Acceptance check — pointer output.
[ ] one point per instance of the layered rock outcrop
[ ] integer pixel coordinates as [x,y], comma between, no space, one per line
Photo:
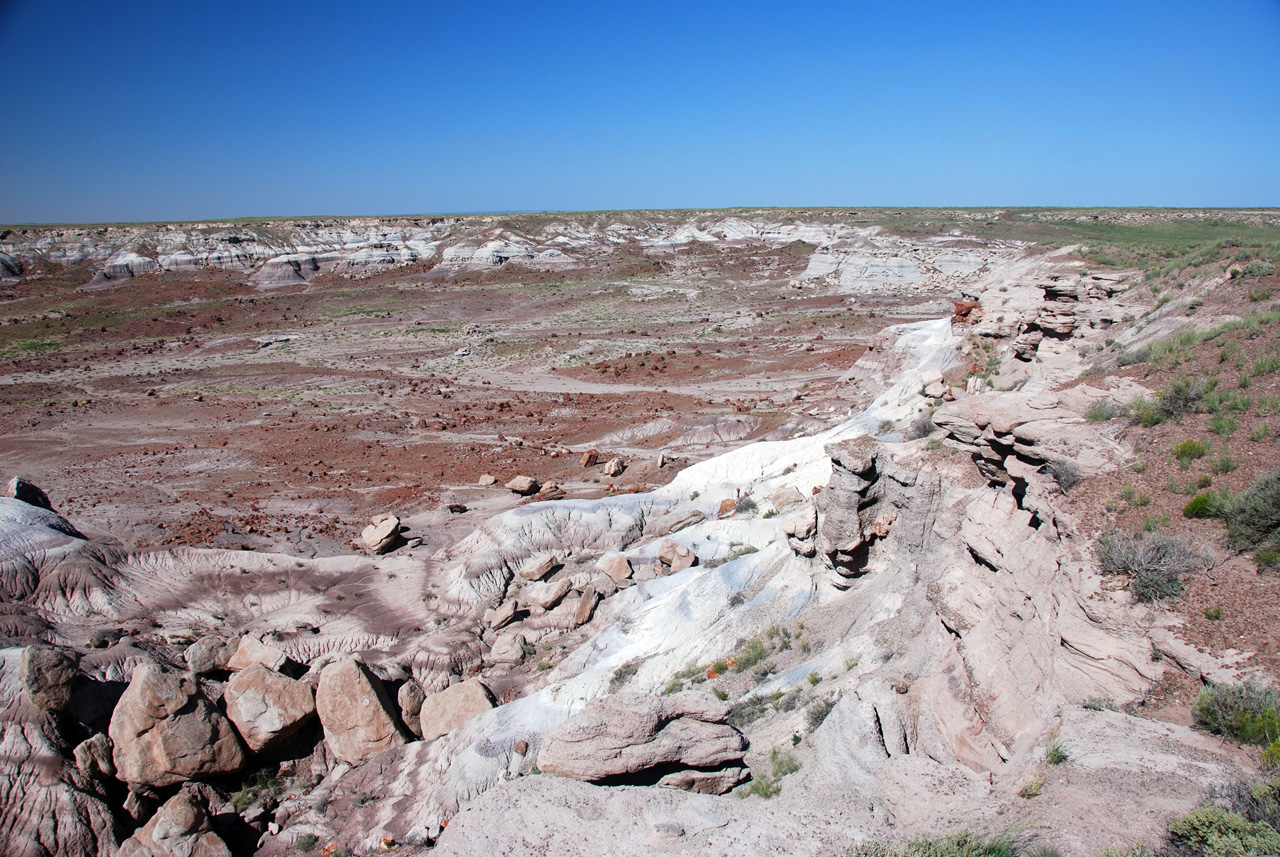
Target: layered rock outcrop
[679,741]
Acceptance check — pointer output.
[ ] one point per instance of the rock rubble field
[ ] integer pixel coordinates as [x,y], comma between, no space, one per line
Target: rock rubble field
[689,532]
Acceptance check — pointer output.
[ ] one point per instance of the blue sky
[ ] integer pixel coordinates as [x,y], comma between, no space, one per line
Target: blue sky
[155,111]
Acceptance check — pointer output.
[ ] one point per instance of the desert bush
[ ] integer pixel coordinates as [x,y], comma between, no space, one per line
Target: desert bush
[1032,788]
[1130,358]
[1253,516]
[964,844]
[1066,473]
[1215,832]
[1257,269]
[1155,562]
[1245,712]
[1140,849]
[1223,425]
[747,711]
[1255,801]
[306,843]
[1145,412]
[782,763]
[1102,410]
[817,712]
[1181,397]
[1099,703]
[921,426]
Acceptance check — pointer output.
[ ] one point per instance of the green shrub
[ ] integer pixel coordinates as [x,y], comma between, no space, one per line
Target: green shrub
[1188,451]
[1202,506]
[1257,269]
[1260,433]
[306,843]
[1215,832]
[1155,562]
[1138,850]
[1245,712]
[1213,614]
[1145,412]
[1130,358]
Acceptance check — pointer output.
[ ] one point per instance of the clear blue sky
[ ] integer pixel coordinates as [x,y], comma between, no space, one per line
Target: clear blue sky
[154,111]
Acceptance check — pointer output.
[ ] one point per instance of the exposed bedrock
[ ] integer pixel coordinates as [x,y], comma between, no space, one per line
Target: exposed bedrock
[679,741]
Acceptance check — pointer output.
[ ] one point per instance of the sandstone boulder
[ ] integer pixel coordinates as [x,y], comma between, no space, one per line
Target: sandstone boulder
[504,615]
[180,828]
[486,480]
[539,566]
[447,710]
[20,489]
[618,567]
[267,708]
[524,485]
[586,606]
[548,595]
[48,675]
[93,757]
[676,556]
[165,732]
[251,652]
[355,712]
[210,653]
[617,738]
[381,534]
[507,649]
[409,698]
[614,467]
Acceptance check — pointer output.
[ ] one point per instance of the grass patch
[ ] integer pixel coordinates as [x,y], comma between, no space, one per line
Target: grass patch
[1055,752]
[1188,451]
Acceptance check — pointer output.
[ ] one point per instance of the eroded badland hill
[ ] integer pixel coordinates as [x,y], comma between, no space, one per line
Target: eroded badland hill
[698,532]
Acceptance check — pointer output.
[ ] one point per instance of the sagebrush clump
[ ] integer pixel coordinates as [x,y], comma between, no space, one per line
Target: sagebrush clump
[1157,563]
